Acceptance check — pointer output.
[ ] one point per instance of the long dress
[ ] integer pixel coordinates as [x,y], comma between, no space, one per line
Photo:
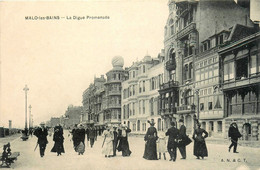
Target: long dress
[107,149]
[200,148]
[58,139]
[123,142]
[150,151]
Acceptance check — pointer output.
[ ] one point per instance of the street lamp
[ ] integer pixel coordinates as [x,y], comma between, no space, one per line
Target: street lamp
[30,119]
[198,103]
[25,90]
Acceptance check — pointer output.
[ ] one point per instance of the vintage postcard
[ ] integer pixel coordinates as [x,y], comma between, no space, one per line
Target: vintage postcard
[130,84]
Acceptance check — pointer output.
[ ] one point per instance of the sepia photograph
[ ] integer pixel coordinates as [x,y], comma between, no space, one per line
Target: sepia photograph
[130,84]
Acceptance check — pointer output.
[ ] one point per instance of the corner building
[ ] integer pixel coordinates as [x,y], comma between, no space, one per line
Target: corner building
[193,34]
[112,99]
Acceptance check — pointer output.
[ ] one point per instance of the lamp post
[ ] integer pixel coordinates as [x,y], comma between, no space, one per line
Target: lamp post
[25,90]
[198,103]
[30,119]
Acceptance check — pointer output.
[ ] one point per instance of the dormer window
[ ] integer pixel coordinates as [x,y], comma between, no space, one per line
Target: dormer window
[221,39]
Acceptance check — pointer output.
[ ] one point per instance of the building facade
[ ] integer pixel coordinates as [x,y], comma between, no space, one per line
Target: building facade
[113,86]
[240,80]
[140,96]
[92,103]
[193,33]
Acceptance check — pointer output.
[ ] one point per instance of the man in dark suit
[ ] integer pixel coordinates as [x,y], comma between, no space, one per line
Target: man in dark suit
[115,141]
[41,133]
[92,135]
[182,137]
[233,134]
[173,134]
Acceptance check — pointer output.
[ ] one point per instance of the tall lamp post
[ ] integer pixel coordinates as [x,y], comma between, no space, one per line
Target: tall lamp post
[198,104]
[25,90]
[30,119]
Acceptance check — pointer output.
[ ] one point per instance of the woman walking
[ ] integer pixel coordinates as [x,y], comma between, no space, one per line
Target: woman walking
[107,146]
[200,148]
[58,139]
[150,152]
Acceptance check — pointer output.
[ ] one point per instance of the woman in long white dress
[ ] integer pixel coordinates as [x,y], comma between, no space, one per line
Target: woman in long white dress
[107,145]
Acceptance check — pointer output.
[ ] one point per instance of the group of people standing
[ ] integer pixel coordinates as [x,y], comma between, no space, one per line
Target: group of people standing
[116,139]
[177,138]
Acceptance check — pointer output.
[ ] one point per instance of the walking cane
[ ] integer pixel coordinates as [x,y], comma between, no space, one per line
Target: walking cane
[36,146]
[104,141]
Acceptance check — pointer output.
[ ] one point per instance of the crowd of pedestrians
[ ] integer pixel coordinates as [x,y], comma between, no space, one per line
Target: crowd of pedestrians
[115,139]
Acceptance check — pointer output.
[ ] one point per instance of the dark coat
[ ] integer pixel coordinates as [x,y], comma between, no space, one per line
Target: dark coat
[41,134]
[150,137]
[58,139]
[234,133]
[123,143]
[200,148]
[173,134]
[92,133]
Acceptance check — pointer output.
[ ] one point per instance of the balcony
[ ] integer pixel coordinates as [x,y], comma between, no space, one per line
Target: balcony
[168,111]
[170,65]
[114,106]
[186,30]
[186,109]
[169,84]
[242,82]
[114,92]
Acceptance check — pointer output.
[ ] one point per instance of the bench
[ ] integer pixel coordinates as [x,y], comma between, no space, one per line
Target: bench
[7,156]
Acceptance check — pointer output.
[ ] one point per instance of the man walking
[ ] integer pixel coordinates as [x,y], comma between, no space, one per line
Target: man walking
[182,138]
[41,133]
[173,133]
[233,134]
[92,135]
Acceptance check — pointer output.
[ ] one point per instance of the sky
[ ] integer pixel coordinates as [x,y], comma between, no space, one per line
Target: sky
[58,59]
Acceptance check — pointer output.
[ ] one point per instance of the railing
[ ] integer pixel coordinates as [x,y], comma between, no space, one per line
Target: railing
[186,108]
[170,65]
[169,84]
[168,111]
[114,92]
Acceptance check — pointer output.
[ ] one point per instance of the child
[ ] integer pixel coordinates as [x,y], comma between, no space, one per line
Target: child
[161,144]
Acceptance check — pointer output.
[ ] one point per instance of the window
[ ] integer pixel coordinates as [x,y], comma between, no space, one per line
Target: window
[143,68]
[201,106]
[205,46]
[133,74]
[140,107]
[143,86]
[143,106]
[133,90]
[186,72]
[221,39]
[229,71]
[133,108]
[213,42]
[210,106]
[253,64]
[138,125]
[140,88]
[191,71]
